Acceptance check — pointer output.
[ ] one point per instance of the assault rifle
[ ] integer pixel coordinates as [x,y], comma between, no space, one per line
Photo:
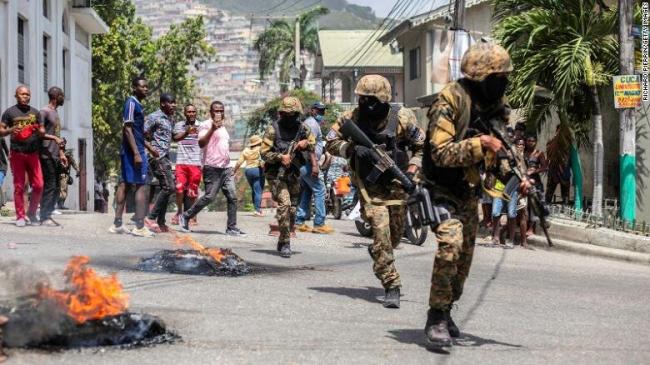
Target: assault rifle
[535,198]
[292,152]
[383,162]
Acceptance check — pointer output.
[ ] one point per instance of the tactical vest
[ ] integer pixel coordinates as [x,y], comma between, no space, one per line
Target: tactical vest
[453,179]
[395,148]
[284,137]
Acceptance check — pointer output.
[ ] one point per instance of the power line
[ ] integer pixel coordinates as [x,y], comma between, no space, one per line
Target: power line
[274,7]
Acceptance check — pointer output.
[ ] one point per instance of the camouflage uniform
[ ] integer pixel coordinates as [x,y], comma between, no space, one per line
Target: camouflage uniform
[285,191]
[64,176]
[453,154]
[383,205]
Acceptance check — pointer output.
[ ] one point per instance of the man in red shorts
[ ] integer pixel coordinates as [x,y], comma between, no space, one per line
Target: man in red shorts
[188,160]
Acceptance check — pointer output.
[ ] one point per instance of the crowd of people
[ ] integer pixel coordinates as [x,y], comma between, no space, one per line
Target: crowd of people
[203,154]
[501,195]
[39,161]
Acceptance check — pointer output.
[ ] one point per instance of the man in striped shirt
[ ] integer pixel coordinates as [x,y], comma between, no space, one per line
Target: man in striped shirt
[188,160]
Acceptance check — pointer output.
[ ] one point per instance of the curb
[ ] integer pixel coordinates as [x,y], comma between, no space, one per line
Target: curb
[590,250]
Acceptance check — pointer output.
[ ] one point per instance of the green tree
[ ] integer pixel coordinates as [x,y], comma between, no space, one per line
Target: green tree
[129,50]
[276,45]
[570,50]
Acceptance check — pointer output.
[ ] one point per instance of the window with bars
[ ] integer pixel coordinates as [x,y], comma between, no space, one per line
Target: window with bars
[21,50]
[46,62]
[46,8]
[64,22]
[66,72]
[414,63]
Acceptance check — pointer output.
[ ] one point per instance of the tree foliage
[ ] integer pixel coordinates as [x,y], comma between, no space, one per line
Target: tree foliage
[276,45]
[567,50]
[264,115]
[129,50]
[563,47]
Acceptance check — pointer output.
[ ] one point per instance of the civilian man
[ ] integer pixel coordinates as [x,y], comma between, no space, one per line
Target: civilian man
[52,156]
[188,160]
[25,126]
[313,183]
[133,161]
[217,173]
[158,128]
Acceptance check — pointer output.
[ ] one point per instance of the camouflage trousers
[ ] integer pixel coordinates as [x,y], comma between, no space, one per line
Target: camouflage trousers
[387,228]
[286,194]
[456,238]
[63,186]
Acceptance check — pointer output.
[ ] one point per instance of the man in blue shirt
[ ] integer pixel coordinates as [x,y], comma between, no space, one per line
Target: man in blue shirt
[133,161]
[158,129]
[313,183]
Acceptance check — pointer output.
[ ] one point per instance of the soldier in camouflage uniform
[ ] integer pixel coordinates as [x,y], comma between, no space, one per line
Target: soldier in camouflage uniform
[281,170]
[64,176]
[383,203]
[455,147]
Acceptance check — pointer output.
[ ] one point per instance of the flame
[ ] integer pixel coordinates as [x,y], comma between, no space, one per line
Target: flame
[90,296]
[217,254]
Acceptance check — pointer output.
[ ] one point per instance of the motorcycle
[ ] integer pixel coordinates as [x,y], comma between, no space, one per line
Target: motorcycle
[339,197]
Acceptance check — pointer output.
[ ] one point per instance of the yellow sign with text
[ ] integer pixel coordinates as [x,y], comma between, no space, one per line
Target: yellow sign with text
[627,91]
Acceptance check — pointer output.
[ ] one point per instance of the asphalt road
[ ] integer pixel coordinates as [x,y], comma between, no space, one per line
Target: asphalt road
[323,305]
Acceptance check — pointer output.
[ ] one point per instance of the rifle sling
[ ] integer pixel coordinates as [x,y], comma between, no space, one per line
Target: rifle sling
[374,201]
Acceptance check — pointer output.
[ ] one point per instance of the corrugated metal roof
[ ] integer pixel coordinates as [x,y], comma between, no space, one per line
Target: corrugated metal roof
[350,48]
[424,18]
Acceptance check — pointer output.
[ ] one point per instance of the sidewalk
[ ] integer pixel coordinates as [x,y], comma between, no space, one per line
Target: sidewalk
[580,238]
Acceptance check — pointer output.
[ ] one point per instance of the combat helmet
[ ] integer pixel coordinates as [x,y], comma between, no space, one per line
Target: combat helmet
[485,58]
[374,85]
[290,104]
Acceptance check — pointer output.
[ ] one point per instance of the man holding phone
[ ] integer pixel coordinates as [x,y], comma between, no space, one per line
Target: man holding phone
[188,160]
[214,141]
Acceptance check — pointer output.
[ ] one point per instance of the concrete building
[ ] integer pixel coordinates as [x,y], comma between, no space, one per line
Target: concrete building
[48,43]
[344,56]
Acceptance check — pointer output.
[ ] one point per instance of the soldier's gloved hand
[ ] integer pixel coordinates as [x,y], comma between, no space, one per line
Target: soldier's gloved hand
[365,154]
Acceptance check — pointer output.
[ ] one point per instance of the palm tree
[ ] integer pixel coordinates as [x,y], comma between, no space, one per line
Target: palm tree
[277,43]
[569,48]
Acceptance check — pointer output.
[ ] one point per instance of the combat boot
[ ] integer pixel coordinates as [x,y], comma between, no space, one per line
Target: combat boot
[285,250]
[437,329]
[451,325]
[391,299]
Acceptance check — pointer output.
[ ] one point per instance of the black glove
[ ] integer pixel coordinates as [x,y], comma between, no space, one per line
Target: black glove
[365,154]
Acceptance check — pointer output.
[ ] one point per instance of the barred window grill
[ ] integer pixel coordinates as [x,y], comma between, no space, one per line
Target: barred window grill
[46,73]
[21,51]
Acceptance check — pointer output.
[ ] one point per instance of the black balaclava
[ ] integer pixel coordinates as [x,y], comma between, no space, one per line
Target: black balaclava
[490,90]
[372,109]
[289,119]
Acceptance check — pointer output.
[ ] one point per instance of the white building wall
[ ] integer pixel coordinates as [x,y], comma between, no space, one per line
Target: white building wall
[76,114]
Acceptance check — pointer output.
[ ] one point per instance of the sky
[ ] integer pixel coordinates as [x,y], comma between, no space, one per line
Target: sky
[383,7]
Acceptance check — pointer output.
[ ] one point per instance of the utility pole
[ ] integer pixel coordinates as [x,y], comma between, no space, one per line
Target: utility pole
[627,118]
[459,14]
